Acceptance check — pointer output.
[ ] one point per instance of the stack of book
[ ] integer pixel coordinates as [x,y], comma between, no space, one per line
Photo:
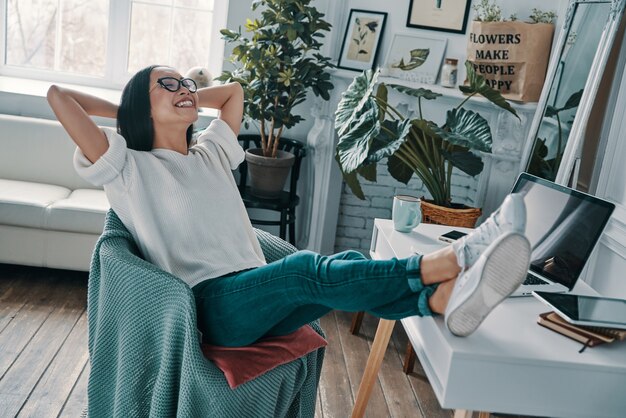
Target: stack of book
[588,336]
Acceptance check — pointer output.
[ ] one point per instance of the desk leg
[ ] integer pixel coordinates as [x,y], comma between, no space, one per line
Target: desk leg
[375,359]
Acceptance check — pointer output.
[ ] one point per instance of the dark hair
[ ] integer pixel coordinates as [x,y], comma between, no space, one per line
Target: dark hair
[134,121]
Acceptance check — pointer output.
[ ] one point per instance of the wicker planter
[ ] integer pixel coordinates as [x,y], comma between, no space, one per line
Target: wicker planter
[458,215]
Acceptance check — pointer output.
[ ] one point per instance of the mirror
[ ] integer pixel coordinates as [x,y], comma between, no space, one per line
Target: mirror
[555,140]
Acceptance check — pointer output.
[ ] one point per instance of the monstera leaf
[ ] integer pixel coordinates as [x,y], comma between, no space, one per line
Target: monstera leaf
[477,84]
[354,100]
[467,129]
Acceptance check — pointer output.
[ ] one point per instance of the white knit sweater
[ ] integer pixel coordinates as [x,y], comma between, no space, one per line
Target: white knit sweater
[184,211]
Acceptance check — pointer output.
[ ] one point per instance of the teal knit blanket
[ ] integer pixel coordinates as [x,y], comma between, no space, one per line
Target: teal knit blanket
[144,346]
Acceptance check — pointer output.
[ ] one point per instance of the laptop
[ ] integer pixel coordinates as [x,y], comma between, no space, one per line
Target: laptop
[563,226]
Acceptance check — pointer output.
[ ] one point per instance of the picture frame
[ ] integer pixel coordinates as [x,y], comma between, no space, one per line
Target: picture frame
[415,58]
[439,15]
[361,41]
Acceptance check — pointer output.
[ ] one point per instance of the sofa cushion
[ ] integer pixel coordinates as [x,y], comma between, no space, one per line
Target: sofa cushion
[82,211]
[24,203]
[39,151]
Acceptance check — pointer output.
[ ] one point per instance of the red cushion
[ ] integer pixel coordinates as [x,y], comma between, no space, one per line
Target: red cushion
[241,364]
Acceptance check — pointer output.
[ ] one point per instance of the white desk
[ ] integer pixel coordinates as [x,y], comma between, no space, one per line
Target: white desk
[510,364]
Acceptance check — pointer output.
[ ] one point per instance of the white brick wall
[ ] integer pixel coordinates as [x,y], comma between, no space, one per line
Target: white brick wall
[356,216]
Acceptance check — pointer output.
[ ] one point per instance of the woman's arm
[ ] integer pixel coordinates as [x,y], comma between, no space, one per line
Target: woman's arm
[228,99]
[72,109]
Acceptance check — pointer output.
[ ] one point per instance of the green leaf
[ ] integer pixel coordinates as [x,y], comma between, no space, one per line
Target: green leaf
[353,146]
[292,34]
[398,169]
[477,84]
[391,137]
[381,95]
[353,101]
[352,181]
[465,161]
[368,172]
[467,129]
[551,111]
[419,92]
[573,101]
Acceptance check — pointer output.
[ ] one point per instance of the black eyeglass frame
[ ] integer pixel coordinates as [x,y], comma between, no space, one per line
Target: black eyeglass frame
[192,87]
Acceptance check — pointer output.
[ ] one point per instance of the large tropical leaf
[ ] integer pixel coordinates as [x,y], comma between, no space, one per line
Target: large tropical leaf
[391,136]
[467,129]
[368,172]
[477,84]
[353,101]
[465,161]
[352,181]
[419,93]
[398,169]
[353,146]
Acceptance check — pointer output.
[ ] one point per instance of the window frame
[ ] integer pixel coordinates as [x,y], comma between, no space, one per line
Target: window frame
[116,62]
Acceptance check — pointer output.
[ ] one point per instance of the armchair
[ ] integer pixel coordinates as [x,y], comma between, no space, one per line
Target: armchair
[145,352]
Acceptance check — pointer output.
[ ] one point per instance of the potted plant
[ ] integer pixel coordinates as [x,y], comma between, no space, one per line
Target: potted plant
[277,65]
[370,130]
[511,54]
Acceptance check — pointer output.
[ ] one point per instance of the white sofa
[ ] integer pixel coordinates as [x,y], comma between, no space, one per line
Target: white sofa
[49,216]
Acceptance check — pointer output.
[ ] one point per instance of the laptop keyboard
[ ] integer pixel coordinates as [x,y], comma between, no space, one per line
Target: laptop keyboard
[533,280]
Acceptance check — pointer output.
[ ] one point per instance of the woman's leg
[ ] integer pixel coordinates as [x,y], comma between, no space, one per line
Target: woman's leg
[280,297]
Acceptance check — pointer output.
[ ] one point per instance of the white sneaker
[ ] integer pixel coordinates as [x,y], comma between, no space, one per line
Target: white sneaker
[509,217]
[498,272]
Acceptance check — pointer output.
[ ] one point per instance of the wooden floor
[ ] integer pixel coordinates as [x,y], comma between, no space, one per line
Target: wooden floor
[44,361]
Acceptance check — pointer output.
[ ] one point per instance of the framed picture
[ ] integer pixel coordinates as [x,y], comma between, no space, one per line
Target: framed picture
[361,40]
[441,15]
[415,58]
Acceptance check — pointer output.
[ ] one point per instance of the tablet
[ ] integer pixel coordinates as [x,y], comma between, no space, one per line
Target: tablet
[595,311]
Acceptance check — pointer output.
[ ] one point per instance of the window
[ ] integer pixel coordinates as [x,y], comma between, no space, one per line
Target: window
[103,42]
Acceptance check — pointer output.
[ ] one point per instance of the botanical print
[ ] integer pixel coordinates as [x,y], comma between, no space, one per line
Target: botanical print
[415,58]
[363,39]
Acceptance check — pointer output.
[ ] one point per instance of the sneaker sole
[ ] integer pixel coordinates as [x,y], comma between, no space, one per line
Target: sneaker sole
[505,269]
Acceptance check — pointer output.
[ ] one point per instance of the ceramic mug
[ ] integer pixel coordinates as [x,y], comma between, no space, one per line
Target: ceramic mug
[406,213]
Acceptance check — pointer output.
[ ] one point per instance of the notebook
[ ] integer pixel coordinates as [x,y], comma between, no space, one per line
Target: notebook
[589,336]
[563,226]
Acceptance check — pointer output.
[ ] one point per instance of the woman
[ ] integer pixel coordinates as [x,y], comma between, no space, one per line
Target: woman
[183,209]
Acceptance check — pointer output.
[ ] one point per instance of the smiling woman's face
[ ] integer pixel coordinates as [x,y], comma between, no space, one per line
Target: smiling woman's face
[171,107]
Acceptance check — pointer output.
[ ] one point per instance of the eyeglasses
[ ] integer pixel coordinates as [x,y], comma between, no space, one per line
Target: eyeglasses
[173,84]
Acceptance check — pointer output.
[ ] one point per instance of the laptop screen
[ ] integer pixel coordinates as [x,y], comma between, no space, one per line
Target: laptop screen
[562,225]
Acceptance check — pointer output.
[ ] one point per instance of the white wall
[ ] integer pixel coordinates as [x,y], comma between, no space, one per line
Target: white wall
[337,12]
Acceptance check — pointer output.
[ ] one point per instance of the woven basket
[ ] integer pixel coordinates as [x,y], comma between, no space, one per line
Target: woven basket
[459,216]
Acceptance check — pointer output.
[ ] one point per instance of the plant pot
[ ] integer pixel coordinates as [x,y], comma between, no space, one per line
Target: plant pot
[268,175]
[458,215]
[512,56]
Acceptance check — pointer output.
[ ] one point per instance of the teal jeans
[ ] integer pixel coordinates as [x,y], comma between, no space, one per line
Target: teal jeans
[278,298]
